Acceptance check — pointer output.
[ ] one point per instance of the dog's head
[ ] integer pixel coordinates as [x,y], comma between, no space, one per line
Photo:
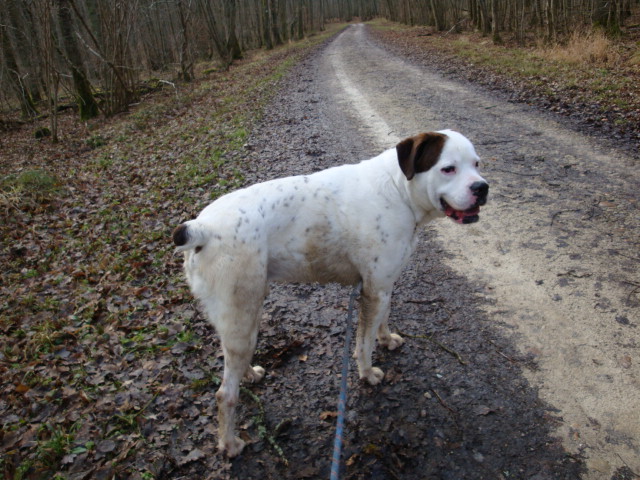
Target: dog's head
[442,170]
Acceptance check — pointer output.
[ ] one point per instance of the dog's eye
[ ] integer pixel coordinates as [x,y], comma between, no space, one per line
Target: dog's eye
[449,169]
[477,164]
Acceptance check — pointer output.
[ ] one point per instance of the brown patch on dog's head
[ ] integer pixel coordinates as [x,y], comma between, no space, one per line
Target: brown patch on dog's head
[420,153]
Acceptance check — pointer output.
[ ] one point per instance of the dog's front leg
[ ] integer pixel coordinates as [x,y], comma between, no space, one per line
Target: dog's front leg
[374,312]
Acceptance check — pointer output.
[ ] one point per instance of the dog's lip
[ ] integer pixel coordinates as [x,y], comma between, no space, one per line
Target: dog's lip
[470,215]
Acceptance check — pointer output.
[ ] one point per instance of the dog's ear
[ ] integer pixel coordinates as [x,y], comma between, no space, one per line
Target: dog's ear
[420,153]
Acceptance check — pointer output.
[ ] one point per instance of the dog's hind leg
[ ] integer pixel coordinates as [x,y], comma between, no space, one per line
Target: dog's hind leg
[236,364]
[238,336]
[234,308]
[374,311]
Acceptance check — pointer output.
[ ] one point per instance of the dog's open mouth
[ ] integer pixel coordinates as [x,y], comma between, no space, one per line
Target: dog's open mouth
[470,215]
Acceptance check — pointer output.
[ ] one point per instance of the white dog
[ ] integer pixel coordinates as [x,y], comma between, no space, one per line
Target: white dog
[345,224]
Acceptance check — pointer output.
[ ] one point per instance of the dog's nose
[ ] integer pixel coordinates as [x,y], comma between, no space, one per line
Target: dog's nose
[480,190]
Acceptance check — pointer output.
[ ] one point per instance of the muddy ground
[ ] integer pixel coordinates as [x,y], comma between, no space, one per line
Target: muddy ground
[521,353]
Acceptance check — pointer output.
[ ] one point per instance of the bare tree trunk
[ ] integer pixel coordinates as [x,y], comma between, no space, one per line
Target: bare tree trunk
[232,38]
[266,24]
[495,22]
[551,20]
[300,20]
[484,17]
[52,76]
[86,102]
[275,32]
[15,76]
[434,12]
[186,63]
[24,36]
[520,28]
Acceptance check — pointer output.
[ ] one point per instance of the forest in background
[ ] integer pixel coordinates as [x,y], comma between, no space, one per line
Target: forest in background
[105,54]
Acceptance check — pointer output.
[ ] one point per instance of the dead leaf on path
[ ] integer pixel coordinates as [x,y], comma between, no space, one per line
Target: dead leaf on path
[372,449]
[22,388]
[195,454]
[625,362]
[106,446]
[484,410]
[308,471]
[327,414]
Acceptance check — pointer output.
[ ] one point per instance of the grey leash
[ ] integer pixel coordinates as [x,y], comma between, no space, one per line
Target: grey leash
[342,399]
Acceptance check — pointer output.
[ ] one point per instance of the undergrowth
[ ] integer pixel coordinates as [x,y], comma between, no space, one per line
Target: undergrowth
[587,48]
[26,189]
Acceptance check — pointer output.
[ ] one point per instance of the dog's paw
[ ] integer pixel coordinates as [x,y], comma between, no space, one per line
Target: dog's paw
[254,374]
[231,448]
[393,341]
[373,375]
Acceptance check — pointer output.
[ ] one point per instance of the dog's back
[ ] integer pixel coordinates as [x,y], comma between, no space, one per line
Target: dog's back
[306,228]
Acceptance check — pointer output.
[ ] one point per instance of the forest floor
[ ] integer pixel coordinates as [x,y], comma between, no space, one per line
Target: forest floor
[108,368]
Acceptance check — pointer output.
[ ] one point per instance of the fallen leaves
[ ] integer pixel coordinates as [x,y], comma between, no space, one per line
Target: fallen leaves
[106,446]
[192,456]
[21,388]
[625,361]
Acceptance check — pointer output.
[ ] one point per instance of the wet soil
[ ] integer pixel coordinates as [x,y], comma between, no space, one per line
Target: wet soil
[515,327]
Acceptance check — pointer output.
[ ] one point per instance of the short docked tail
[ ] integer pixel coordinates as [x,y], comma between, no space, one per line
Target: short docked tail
[192,234]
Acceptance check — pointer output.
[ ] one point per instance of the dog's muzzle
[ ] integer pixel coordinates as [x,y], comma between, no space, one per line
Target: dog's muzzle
[480,190]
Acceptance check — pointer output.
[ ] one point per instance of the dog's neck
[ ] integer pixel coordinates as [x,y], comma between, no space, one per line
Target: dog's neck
[421,214]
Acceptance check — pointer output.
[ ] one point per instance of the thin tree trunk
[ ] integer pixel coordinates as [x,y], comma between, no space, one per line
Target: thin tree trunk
[86,102]
[52,76]
[15,75]
[267,37]
[434,12]
[232,38]
[186,64]
[495,22]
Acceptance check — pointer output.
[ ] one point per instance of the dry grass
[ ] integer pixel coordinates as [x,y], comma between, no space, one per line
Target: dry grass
[10,199]
[590,47]
[27,189]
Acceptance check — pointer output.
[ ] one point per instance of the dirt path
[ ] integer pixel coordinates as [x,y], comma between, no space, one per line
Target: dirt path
[556,251]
